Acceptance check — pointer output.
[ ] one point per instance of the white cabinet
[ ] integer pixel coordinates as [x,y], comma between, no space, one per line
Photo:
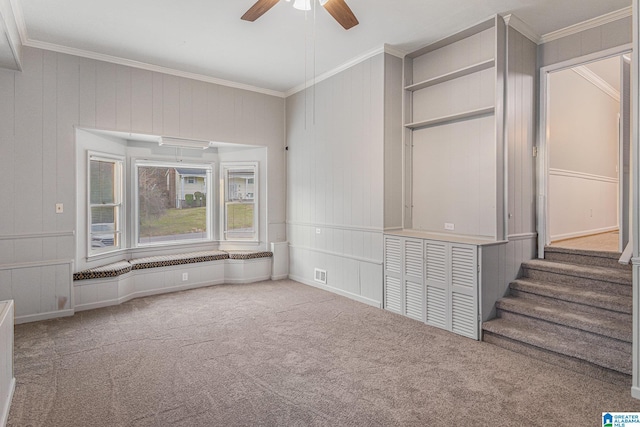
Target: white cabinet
[403,276]
[436,282]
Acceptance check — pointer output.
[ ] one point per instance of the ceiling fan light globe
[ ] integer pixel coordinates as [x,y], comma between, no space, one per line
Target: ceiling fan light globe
[302,4]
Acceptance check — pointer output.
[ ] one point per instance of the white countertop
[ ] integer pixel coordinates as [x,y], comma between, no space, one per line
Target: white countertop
[442,237]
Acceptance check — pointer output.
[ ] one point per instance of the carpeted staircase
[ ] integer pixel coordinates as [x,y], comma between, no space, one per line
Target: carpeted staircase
[571,309]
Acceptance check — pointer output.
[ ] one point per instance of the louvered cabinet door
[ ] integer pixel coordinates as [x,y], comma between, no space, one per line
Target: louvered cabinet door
[464,290]
[413,278]
[393,262]
[436,283]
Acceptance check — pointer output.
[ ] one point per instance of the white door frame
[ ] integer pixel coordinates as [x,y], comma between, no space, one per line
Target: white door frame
[542,209]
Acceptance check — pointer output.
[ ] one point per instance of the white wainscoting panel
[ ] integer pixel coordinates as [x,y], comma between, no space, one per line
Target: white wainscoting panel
[40,290]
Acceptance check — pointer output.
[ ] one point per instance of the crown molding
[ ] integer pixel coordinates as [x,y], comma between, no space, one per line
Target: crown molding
[597,81]
[522,27]
[149,67]
[9,28]
[19,18]
[399,53]
[358,59]
[587,25]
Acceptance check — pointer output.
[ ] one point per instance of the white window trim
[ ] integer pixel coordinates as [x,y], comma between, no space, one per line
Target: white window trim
[210,208]
[224,167]
[120,162]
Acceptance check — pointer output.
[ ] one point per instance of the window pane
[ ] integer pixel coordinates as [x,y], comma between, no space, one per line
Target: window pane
[239,219]
[104,227]
[240,202]
[104,205]
[172,204]
[240,185]
[102,180]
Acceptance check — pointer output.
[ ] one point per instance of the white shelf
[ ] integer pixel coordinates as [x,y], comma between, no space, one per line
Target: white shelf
[452,75]
[478,28]
[451,118]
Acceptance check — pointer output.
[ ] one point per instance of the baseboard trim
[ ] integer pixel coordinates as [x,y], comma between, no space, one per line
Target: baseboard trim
[147,293]
[280,277]
[4,415]
[245,280]
[522,236]
[340,292]
[44,316]
[584,233]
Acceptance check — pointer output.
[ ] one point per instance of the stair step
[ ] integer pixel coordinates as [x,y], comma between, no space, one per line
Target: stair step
[586,347]
[585,257]
[604,279]
[566,362]
[571,294]
[596,323]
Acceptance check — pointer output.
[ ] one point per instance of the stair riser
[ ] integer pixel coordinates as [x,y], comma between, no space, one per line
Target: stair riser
[570,363]
[594,284]
[592,261]
[569,333]
[615,312]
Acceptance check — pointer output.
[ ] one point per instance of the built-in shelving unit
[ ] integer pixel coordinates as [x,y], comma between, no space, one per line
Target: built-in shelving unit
[454,115]
[453,258]
[452,75]
[480,112]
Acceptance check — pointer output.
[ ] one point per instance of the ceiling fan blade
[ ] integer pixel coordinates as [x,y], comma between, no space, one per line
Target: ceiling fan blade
[258,9]
[341,13]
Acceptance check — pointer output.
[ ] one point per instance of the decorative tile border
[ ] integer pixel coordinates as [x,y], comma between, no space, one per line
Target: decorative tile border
[249,255]
[109,270]
[121,267]
[169,260]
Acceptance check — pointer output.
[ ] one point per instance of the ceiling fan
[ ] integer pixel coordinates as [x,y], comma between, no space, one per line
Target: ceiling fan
[336,8]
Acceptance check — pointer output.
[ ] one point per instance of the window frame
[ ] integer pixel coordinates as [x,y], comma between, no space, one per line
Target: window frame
[119,193]
[225,167]
[210,206]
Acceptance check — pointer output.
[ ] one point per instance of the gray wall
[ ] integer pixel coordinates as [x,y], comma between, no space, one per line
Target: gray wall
[38,112]
[336,176]
[393,207]
[520,177]
[613,34]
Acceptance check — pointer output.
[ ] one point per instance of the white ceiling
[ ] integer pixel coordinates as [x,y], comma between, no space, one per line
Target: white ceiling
[207,37]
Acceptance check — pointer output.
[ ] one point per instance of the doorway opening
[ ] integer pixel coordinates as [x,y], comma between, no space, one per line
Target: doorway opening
[585,146]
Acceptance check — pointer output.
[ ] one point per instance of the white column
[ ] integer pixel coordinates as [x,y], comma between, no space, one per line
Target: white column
[635,164]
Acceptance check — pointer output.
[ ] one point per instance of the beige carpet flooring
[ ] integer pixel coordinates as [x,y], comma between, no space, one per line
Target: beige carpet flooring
[596,242]
[283,354]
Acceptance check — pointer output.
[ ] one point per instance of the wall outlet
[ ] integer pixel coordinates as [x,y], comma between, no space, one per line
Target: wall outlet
[318,231]
[449,226]
[59,208]
[185,277]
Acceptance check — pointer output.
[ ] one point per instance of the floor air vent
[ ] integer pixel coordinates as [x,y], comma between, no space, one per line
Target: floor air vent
[320,276]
